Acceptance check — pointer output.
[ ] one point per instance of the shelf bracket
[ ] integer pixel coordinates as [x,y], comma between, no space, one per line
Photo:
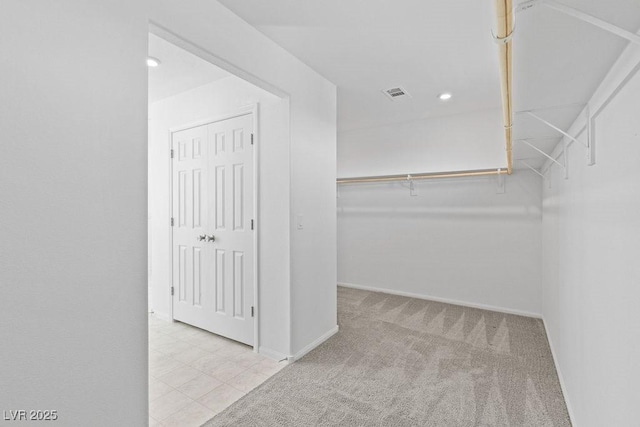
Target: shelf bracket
[502,188]
[412,188]
[541,152]
[533,169]
[554,127]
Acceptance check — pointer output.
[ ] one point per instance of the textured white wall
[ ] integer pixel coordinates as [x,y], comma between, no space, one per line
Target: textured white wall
[591,247]
[241,48]
[210,101]
[73,326]
[457,240]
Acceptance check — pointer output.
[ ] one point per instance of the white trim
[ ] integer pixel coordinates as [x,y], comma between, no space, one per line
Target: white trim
[256,214]
[445,300]
[252,110]
[166,34]
[559,373]
[242,111]
[290,222]
[169,226]
[162,316]
[272,354]
[331,332]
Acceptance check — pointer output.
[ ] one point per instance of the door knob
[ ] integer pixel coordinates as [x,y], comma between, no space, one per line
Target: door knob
[211,238]
[201,238]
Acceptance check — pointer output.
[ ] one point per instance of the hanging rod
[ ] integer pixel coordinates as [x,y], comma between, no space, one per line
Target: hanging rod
[410,177]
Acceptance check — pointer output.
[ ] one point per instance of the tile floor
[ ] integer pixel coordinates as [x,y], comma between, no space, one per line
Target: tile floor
[194,374]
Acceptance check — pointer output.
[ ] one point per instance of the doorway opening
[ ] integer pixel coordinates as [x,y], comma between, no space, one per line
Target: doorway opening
[205,127]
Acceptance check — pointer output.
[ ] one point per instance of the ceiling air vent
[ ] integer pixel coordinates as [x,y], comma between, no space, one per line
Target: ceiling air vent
[395,93]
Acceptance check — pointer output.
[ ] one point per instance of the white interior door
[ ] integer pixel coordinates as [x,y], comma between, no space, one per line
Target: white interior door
[212,185]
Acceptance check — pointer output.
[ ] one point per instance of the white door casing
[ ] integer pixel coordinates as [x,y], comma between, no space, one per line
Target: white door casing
[213,236]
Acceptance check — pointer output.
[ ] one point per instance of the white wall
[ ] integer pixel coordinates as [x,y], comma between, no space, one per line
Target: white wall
[460,142]
[449,242]
[73,168]
[591,248]
[234,45]
[73,179]
[457,240]
[210,101]
[313,190]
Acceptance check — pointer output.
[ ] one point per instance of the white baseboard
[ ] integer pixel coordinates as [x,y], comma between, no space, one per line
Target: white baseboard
[162,316]
[315,344]
[445,300]
[272,354]
[559,372]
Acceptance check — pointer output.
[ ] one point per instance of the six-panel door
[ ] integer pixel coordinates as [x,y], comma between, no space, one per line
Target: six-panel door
[213,199]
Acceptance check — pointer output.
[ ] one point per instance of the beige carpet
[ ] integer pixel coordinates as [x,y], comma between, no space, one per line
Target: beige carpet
[407,362]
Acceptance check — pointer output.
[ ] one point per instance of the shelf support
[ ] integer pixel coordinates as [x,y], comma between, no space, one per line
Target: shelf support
[541,152]
[501,183]
[532,168]
[578,14]
[554,127]
[412,188]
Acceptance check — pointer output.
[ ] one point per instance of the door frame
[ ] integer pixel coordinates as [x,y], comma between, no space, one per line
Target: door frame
[253,110]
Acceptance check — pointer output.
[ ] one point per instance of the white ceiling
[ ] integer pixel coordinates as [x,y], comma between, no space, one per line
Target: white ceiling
[432,46]
[364,46]
[179,70]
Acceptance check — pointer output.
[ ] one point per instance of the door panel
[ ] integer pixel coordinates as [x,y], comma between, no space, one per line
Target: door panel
[213,196]
[190,215]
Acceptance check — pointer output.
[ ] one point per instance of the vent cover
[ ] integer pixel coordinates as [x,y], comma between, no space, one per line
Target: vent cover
[395,93]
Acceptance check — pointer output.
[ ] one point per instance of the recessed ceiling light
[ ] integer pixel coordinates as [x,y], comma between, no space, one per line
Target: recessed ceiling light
[444,96]
[152,62]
